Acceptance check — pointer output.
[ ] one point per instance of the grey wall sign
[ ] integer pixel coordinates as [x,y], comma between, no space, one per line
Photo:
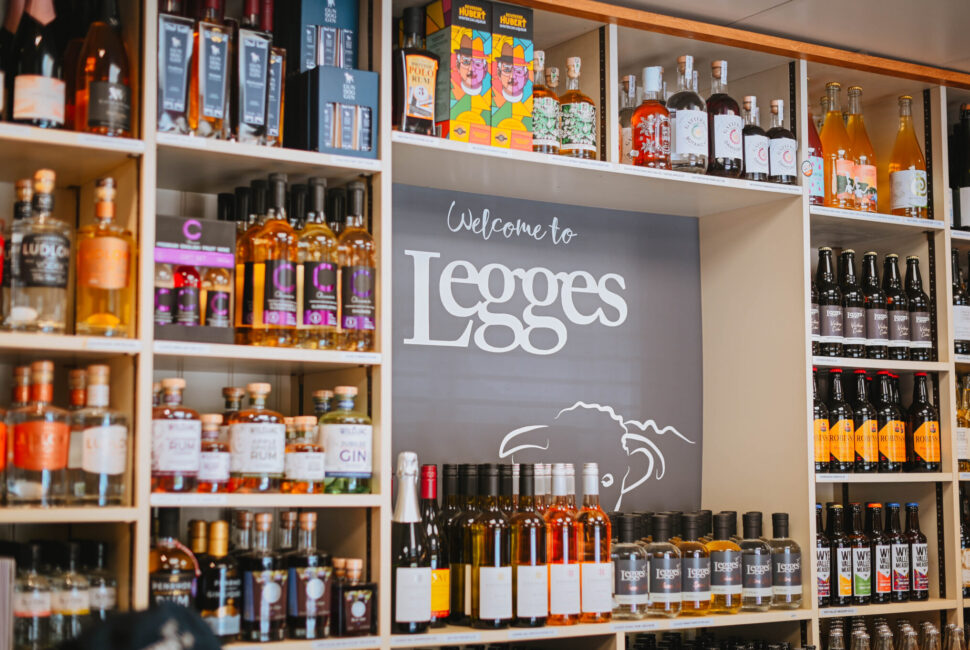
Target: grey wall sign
[534,332]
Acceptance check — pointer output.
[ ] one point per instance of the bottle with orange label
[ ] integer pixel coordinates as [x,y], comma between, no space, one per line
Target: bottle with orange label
[866,427]
[41,438]
[923,432]
[841,426]
[892,431]
[105,270]
[820,427]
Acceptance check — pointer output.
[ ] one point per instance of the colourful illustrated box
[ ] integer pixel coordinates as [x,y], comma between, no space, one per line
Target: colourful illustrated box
[512,77]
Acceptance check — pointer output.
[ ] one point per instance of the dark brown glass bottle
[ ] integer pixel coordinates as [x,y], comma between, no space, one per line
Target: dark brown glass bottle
[900,561]
[881,555]
[450,505]
[877,318]
[437,546]
[841,594]
[354,603]
[892,429]
[415,71]
[782,147]
[919,580]
[866,427]
[861,558]
[823,560]
[841,427]
[310,583]
[219,594]
[820,426]
[898,308]
[923,430]
[264,587]
[920,325]
[853,307]
[961,307]
[815,319]
[829,305]
[725,126]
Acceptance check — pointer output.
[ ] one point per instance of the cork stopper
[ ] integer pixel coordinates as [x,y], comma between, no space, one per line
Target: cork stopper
[264,522]
[157,387]
[21,375]
[573,65]
[104,198]
[98,374]
[173,384]
[233,393]
[42,372]
[685,64]
[308,521]
[288,518]
[750,103]
[322,394]
[719,69]
[305,421]
[244,518]
[260,389]
[777,106]
[24,190]
[44,181]
[211,421]
[355,568]
[346,391]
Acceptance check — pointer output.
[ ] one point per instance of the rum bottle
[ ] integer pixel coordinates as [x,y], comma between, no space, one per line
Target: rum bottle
[578,126]
[628,99]
[545,108]
[756,591]
[310,581]
[651,123]
[564,544]
[219,591]
[176,441]
[411,588]
[357,256]
[175,48]
[209,80]
[354,603]
[415,74]
[347,436]
[866,427]
[838,164]
[665,576]
[726,154]
[316,281]
[214,459]
[103,90]
[725,557]
[437,546]
[897,304]
[756,147]
[923,430]
[274,256]
[460,544]
[631,570]
[786,565]
[530,575]
[596,572]
[105,442]
[264,587]
[877,315]
[853,308]
[783,148]
[695,569]
[304,462]
[688,122]
[250,76]
[172,568]
[920,324]
[862,154]
[257,440]
[881,555]
[491,561]
[907,167]
[919,582]
[823,560]
[36,68]
[831,322]
[820,428]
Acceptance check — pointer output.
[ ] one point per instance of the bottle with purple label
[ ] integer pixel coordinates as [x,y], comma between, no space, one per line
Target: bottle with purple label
[164,294]
[187,283]
[274,255]
[357,255]
[316,285]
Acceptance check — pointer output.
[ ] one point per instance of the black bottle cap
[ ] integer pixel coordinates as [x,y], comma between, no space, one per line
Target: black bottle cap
[505,479]
[751,522]
[317,190]
[627,528]
[414,21]
[337,204]
[614,518]
[660,526]
[646,524]
[243,200]
[488,480]
[707,522]
[468,480]
[449,469]
[527,480]
[298,202]
[676,522]
[692,524]
[168,522]
[725,525]
[779,525]
[355,197]
[277,190]
[226,207]
[258,189]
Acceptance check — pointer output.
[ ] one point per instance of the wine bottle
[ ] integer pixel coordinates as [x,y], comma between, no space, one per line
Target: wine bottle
[437,547]
[411,595]
[38,86]
[103,92]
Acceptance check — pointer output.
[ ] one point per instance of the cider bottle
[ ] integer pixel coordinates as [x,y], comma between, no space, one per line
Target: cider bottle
[863,157]
[837,162]
[907,167]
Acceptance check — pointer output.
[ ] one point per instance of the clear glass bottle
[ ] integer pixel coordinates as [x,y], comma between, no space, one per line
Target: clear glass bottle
[304,462]
[596,572]
[651,123]
[102,583]
[316,282]
[24,192]
[756,566]
[257,443]
[215,457]
[907,167]
[77,395]
[545,107]
[864,181]
[410,564]
[786,565]
[241,540]
[219,593]
[783,148]
[105,438]
[564,544]
[688,122]
[578,122]
[726,154]
[628,102]
[176,441]
[310,580]
[631,571]
[274,255]
[665,580]
[322,402]
[70,598]
[756,148]
[530,575]
[725,557]
[357,256]
[164,313]
[347,437]
[209,80]
[31,601]
[264,587]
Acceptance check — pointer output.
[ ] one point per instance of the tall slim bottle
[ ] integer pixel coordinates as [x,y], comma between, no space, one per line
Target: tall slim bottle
[564,543]
[881,555]
[907,167]
[838,165]
[437,547]
[460,542]
[578,123]
[175,45]
[877,315]
[530,575]
[688,122]
[919,581]
[831,319]
[411,595]
[841,427]
[695,568]
[31,600]
[823,561]
[755,142]
[209,79]
[864,181]
[841,594]
[900,560]
[316,282]
[628,99]
[250,66]
[920,324]
[861,558]
[545,109]
[276,81]
[783,148]
[274,255]
[491,566]
[923,430]
[103,90]
[357,256]
[726,578]
[756,589]
[37,70]
[897,304]
[866,427]
[726,153]
[310,581]
[853,307]
[665,580]
[596,572]
[820,427]
[813,167]
[449,498]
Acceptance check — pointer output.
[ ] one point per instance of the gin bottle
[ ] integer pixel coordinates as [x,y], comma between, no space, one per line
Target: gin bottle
[31,601]
[688,122]
[628,101]
[545,107]
[348,438]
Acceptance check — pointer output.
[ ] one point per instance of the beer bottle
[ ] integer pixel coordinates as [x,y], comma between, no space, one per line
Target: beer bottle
[923,432]
[866,427]
[820,427]
[829,306]
[823,560]
[898,308]
[815,317]
[892,431]
[919,581]
[899,561]
[861,558]
[961,308]
[877,318]
[841,592]
[881,555]
[841,427]
[920,327]
[853,307]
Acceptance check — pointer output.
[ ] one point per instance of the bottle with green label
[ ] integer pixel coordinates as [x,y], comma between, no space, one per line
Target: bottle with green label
[578,130]
[861,558]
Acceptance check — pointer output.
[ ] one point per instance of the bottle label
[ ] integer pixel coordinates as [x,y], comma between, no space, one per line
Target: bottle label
[864,184]
[963,448]
[495,593]
[217,308]
[105,449]
[75,449]
[877,326]
[822,437]
[844,189]
[921,567]
[854,325]
[861,571]
[843,566]
[831,324]
[103,598]
[965,565]
[248,293]
[309,591]
[31,604]
[174,55]
[441,592]
[920,331]
[176,446]
[631,577]
[908,189]
[900,567]
[412,589]
[564,589]
[756,576]
[926,442]
[689,130]
[783,156]
[36,97]
[305,466]
[419,86]
[45,260]
[867,441]
[813,173]
[725,572]
[882,563]
[257,448]
[756,154]
[357,297]
[899,328]
[545,122]
[109,105]
[164,305]
[70,602]
[187,306]
[4,446]
[102,263]
[816,322]
[40,445]
[253,63]
[279,297]
[348,450]
[727,136]
[532,591]
[597,587]
[626,145]
[961,323]
[274,100]
[786,573]
[224,624]
[213,62]
[264,595]
[579,126]
[176,587]
[842,441]
[651,137]
[892,441]
[823,571]
[214,467]
[319,294]
[358,610]
[665,580]
[695,576]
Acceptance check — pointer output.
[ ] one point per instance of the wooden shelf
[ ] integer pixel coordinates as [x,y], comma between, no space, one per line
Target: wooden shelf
[933,604]
[28,346]
[881,232]
[93,514]
[266,500]
[820,214]
[341,643]
[905,477]
[175,355]
[961,235]
[881,364]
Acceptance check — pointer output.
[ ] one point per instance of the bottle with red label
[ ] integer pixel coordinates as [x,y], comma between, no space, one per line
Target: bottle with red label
[882,573]
[41,441]
[923,430]
[900,559]
[176,441]
[357,255]
[264,587]
[919,574]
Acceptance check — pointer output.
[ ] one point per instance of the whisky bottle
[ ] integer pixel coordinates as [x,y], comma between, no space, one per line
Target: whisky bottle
[820,427]
[274,256]
[782,148]
[24,191]
[564,544]
[530,575]
[688,122]
[853,307]
[103,90]
[250,75]
[631,566]
[219,592]
[39,289]
[437,545]
[76,395]
[756,148]
[919,575]
[881,555]
[578,126]
[823,561]
[726,153]
[347,437]
[105,271]
[907,167]
[841,572]
[357,256]
[209,80]
[545,109]
[923,430]
[864,177]
[70,598]
[264,587]
[900,560]
[415,72]
[892,430]
[276,82]
[176,441]
[257,441]
[304,462]
[175,47]
[37,71]
[105,440]
[897,304]
[786,565]
[310,581]
[665,574]
[695,568]
[755,565]
[172,567]
[214,459]
[866,427]
[354,603]
[411,595]
[596,572]
[830,306]
[877,316]
[491,561]
[725,556]
[920,325]
[37,472]
[316,279]
[460,545]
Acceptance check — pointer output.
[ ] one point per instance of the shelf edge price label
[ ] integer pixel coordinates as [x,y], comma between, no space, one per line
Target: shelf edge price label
[697,622]
[838,611]
[639,626]
[181,347]
[358,642]
[534,633]
[105,344]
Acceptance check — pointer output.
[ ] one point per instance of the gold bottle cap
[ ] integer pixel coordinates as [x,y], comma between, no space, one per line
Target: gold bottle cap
[355,565]
[24,190]
[868,253]
[76,379]
[211,420]
[685,62]
[173,384]
[855,90]
[322,394]
[833,84]
[892,256]
[233,392]
[98,374]
[218,538]
[264,521]
[44,180]
[824,248]
[348,391]
[340,563]
[258,388]
[847,250]
[912,257]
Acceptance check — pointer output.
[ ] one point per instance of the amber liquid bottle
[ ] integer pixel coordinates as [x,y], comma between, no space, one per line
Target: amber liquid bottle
[907,167]
[460,545]
[564,541]
[866,427]
[695,569]
[596,570]
[257,438]
[214,462]
[209,81]
[103,92]
[725,568]
[491,566]
[578,125]
[892,431]
[176,441]
[530,575]
[838,165]
[264,587]
[415,71]
[923,430]
[274,255]
[820,427]
[545,109]
[725,125]
[357,256]
[864,181]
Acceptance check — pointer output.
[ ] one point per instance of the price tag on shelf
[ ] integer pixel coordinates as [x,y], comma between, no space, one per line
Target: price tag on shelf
[489,150]
[350,642]
[533,633]
[638,626]
[362,357]
[181,347]
[831,478]
[687,622]
[838,611]
[180,140]
[189,500]
[107,344]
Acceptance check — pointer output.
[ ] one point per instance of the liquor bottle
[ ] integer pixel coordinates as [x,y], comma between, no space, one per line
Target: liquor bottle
[357,256]
[39,283]
[215,297]
[665,580]
[961,307]
[415,71]
[756,591]
[104,439]
[287,531]
[76,380]
[920,326]
[103,586]
[449,497]
[304,462]
[232,400]
[853,307]
[164,295]
[219,591]
[411,566]
[70,597]
[631,566]
[172,569]
[820,427]
[316,280]
[831,322]
[919,582]
[214,459]
[24,191]
[841,426]
[900,559]
[188,283]
[175,46]
[322,402]
[264,587]
[105,273]
[755,139]
[543,487]
[209,77]
[688,122]
[8,34]
[103,90]
[176,441]
[257,440]
[437,547]
[38,446]
[628,100]
[786,565]
[813,167]
[861,557]
[276,82]
[505,490]
[726,157]
[460,545]
[866,427]
[783,148]
[348,436]
[897,305]
[882,574]
[651,123]
[564,543]
[841,554]
[838,165]
[530,576]
[725,558]
[963,425]
[823,561]
[545,108]
[862,154]
[965,546]
[310,581]
[31,600]
[491,562]
[274,257]
[923,430]
[241,541]
[596,574]
[578,122]
[695,569]
[354,603]
[815,316]
[907,167]
[37,71]
[250,75]
[877,316]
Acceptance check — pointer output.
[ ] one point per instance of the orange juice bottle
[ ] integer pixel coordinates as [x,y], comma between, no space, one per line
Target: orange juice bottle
[839,168]
[863,157]
[907,167]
